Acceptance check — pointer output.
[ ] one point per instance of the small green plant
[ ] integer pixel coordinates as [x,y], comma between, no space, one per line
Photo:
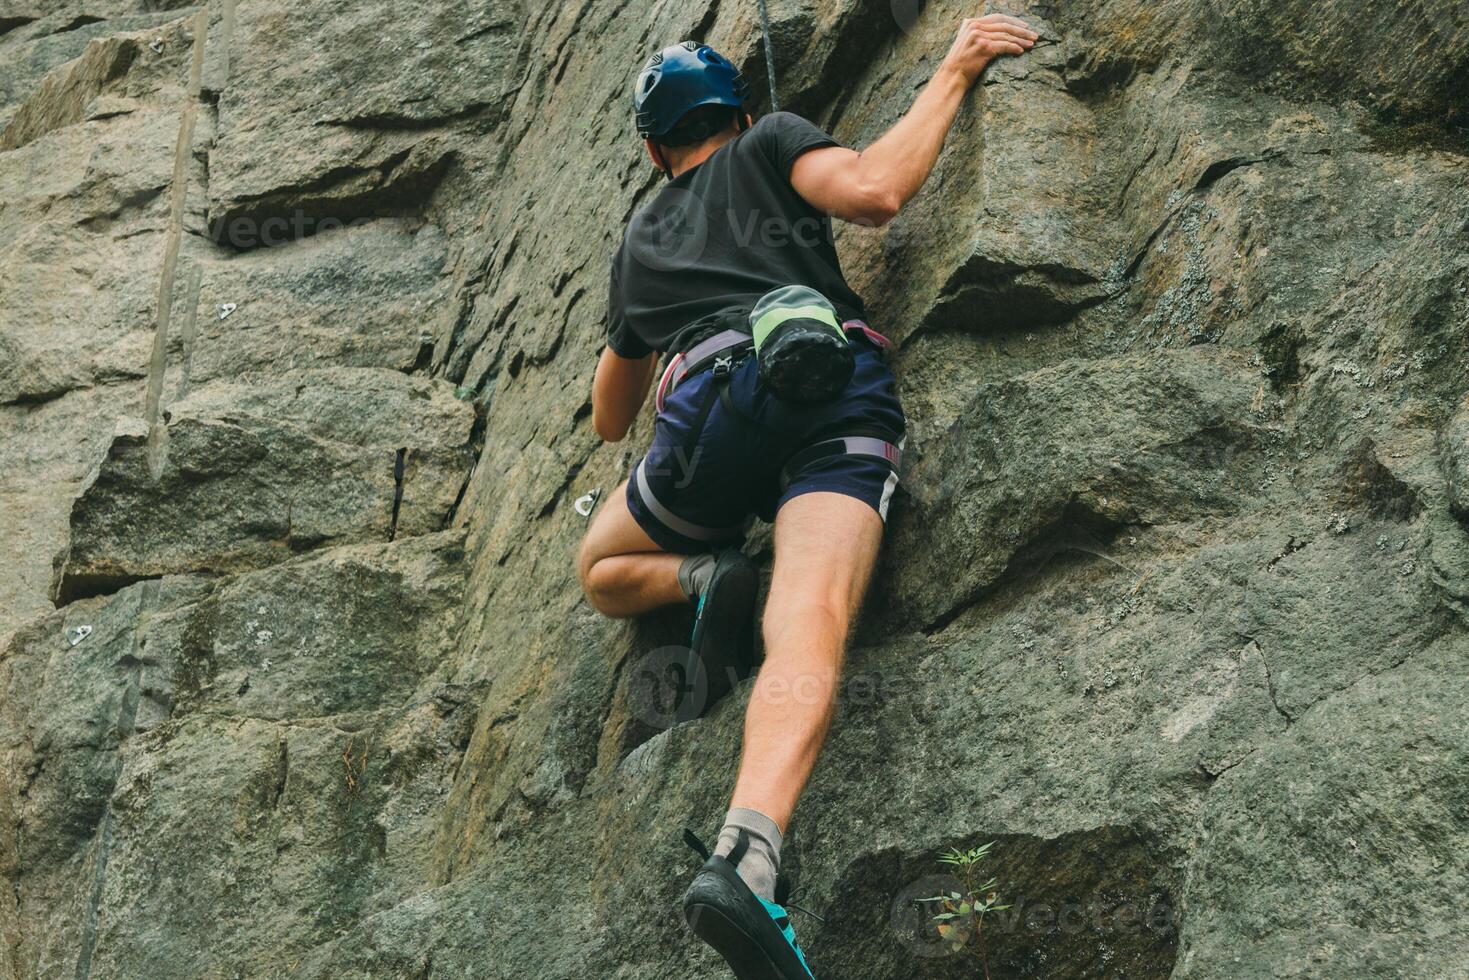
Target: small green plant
[959,915]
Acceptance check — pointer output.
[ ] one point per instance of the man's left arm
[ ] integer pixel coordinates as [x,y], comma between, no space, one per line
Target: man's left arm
[618,392]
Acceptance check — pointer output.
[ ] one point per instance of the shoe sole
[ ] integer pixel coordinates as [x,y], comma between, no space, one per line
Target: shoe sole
[730,927]
[744,956]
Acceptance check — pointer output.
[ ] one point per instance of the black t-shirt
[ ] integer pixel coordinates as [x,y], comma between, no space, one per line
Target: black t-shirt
[723,234]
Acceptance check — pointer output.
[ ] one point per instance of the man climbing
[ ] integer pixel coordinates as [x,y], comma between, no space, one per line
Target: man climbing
[777,401]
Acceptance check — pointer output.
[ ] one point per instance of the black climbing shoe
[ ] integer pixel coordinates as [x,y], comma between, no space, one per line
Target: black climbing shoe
[754,936]
[722,650]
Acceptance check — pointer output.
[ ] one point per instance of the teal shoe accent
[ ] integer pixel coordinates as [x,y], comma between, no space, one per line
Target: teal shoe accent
[721,647]
[783,923]
[698,615]
[753,936]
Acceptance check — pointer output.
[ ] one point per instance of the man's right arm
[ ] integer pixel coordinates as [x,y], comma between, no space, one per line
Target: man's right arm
[619,389]
[869,187]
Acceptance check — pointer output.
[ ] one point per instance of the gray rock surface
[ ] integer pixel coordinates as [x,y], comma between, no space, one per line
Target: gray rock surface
[299,305]
[246,474]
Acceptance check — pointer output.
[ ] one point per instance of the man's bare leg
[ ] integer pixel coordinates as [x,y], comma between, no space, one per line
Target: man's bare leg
[622,570]
[825,548]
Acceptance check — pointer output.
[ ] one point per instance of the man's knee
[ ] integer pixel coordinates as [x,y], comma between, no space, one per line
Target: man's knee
[598,586]
[586,557]
[593,582]
[601,581]
[817,611]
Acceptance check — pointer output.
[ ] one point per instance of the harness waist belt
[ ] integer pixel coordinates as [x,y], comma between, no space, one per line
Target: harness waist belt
[731,343]
[697,357]
[710,348]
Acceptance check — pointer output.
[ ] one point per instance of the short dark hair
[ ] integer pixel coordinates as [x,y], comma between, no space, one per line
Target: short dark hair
[698,124]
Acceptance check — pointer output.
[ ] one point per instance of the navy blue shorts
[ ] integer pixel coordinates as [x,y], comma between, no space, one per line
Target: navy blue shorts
[699,483]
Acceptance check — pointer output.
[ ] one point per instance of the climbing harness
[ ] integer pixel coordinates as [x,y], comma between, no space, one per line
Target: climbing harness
[804,352]
[872,444]
[769,55]
[727,346]
[724,350]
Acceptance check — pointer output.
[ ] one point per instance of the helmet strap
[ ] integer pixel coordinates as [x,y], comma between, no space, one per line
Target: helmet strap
[662,160]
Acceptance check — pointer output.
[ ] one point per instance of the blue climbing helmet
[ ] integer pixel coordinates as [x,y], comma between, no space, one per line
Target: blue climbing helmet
[682,77]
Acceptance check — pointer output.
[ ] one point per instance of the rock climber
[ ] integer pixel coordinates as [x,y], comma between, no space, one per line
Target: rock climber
[777,401]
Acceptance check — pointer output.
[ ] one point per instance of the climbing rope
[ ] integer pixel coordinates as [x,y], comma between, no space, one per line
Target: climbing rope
[769,55]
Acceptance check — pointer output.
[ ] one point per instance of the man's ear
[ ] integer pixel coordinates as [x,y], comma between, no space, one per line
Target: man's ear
[749,120]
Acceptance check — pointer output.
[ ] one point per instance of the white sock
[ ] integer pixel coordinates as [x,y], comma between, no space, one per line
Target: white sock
[694,574]
[760,863]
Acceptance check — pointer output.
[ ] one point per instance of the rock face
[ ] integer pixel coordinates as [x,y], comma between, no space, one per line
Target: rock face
[299,305]
[245,475]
